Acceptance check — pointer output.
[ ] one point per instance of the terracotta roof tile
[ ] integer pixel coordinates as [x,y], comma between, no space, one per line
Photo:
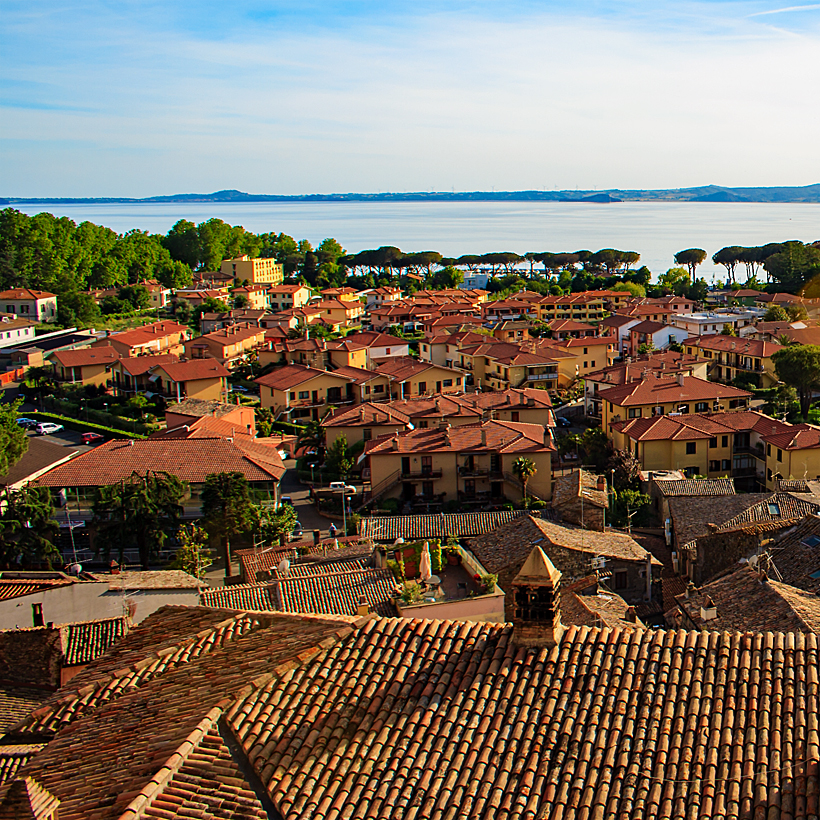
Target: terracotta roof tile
[85,356]
[194,369]
[695,486]
[414,527]
[14,757]
[86,641]
[652,391]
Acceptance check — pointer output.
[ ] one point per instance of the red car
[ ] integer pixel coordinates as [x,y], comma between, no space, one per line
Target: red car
[92,438]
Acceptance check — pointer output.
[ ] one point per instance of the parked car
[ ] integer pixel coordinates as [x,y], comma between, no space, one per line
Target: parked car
[27,423]
[46,428]
[563,421]
[92,438]
[297,532]
[237,388]
[286,499]
[341,487]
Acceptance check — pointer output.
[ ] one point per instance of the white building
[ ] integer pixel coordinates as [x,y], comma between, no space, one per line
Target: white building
[15,330]
[701,324]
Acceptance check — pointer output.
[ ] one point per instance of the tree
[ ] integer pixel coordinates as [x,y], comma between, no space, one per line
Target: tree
[596,446]
[137,297]
[646,347]
[793,265]
[139,511]
[240,301]
[312,437]
[338,459]
[729,258]
[625,467]
[691,258]
[635,289]
[524,469]
[448,277]
[193,555]
[799,367]
[673,279]
[776,313]
[797,313]
[13,438]
[273,524]
[728,330]
[28,528]
[227,509]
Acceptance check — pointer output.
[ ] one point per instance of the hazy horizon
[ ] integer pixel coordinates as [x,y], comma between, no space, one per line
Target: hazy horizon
[146,98]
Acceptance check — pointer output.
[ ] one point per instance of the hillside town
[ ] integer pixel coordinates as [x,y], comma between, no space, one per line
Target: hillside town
[280,550]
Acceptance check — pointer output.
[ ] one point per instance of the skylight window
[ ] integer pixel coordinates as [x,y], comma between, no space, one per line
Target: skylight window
[774,509]
[811,541]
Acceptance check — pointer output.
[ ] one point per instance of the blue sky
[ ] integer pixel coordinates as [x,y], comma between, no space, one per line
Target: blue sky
[127,98]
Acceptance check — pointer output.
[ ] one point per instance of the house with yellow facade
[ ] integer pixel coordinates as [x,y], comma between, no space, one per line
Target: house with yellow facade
[730,357]
[256,271]
[410,377]
[340,312]
[470,464]
[659,395]
[203,379]
[232,345]
[285,297]
[256,296]
[157,337]
[792,453]
[85,365]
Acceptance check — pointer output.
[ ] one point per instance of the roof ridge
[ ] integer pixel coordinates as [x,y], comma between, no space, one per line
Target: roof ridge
[172,765]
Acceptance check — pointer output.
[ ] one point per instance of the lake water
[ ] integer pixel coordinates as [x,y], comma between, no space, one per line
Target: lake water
[655,230]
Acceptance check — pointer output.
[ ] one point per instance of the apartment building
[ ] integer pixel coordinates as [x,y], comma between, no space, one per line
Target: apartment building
[256,271]
[158,337]
[730,357]
[37,305]
[231,346]
[285,297]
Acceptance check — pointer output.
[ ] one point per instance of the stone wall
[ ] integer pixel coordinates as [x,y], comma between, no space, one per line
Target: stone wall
[31,657]
[719,550]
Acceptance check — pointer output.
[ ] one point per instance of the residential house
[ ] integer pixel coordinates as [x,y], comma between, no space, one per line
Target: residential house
[659,395]
[256,295]
[589,306]
[209,322]
[256,271]
[157,337]
[775,331]
[443,347]
[348,665]
[37,305]
[41,456]
[231,346]
[635,369]
[211,279]
[342,294]
[378,345]
[299,392]
[513,330]
[513,308]
[703,324]
[15,330]
[196,296]
[376,297]
[340,312]
[205,379]
[473,280]
[619,326]
[88,365]
[410,377]
[581,498]
[286,297]
[471,464]
[663,485]
[797,335]
[189,411]
[158,294]
[568,329]
[730,357]
[792,451]
[577,552]
[589,354]
[654,335]
[365,422]
[190,459]
[744,599]
[707,444]
[132,375]
[677,304]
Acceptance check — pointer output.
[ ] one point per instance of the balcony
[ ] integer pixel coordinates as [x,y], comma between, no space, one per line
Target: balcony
[421,475]
[474,472]
[539,377]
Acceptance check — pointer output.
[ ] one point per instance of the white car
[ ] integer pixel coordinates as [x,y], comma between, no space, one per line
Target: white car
[46,428]
[341,487]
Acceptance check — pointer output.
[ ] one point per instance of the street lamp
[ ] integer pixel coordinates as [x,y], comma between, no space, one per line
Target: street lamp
[344,508]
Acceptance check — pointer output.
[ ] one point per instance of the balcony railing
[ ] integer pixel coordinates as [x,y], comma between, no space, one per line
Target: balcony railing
[539,377]
[473,472]
[422,474]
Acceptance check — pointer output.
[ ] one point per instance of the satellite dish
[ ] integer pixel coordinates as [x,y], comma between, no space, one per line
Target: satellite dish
[75,569]
[284,567]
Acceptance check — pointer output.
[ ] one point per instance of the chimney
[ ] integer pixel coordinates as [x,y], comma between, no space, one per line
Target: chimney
[681,378]
[602,483]
[395,442]
[363,608]
[483,437]
[537,596]
[708,612]
[631,615]
[114,568]
[691,589]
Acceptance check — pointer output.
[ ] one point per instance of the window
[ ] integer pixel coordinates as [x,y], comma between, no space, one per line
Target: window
[427,489]
[774,509]
[593,364]
[780,455]
[691,448]
[634,412]
[586,364]
[427,464]
[768,449]
[367,390]
[422,387]
[448,382]
[714,466]
[586,350]
[423,423]
[683,408]
[724,441]
[367,434]
[725,464]
[387,350]
[304,394]
[37,615]
[768,475]
[702,407]
[378,388]
[293,396]
[621,579]
[515,416]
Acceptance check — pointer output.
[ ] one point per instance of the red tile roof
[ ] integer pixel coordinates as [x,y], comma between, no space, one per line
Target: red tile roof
[191,460]
[85,356]
[797,437]
[138,365]
[151,332]
[652,391]
[292,375]
[193,370]
[743,347]
[26,293]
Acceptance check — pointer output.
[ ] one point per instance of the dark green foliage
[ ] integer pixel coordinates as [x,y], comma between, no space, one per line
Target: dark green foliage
[13,438]
[799,367]
[140,511]
[27,528]
[227,509]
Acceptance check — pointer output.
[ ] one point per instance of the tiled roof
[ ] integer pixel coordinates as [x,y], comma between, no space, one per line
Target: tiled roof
[489,436]
[345,549]
[651,391]
[85,641]
[13,588]
[198,408]
[189,459]
[291,375]
[400,368]
[151,579]
[795,556]
[230,334]
[748,602]
[26,293]
[414,527]
[194,369]
[797,437]
[695,486]
[151,332]
[777,507]
[13,758]
[585,603]
[662,362]
[743,347]
[41,454]
[85,356]
[691,516]
[648,326]
[567,489]
[399,718]
[258,597]
[17,703]
[510,544]
[339,593]
[138,365]
[367,414]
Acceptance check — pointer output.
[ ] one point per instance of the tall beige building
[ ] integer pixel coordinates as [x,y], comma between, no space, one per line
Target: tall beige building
[256,271]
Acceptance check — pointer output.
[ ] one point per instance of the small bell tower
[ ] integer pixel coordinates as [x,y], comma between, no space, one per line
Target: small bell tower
[537,593]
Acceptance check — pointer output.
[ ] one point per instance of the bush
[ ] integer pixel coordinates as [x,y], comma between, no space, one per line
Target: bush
[389,505]
[83,426]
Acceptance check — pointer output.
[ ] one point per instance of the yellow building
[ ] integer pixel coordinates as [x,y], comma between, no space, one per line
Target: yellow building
[730,357]
[231,345]
[257,296]
[256,271]
[660,395]
[285,297]
[364,423]
[409,377]
[87,365]
[340,312]
[196,379]
[792,453]
[471,464]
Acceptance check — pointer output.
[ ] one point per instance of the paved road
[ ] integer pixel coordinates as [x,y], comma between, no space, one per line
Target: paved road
[65,438]
[308,517]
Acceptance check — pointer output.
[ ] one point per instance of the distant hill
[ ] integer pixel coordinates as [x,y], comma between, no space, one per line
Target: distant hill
[707,193]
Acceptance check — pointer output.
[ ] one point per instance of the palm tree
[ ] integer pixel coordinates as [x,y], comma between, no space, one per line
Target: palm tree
[524,469]
[313,437]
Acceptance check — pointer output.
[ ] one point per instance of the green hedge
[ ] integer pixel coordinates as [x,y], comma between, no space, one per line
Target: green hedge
[82,426]
[287,427]
[110,421]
